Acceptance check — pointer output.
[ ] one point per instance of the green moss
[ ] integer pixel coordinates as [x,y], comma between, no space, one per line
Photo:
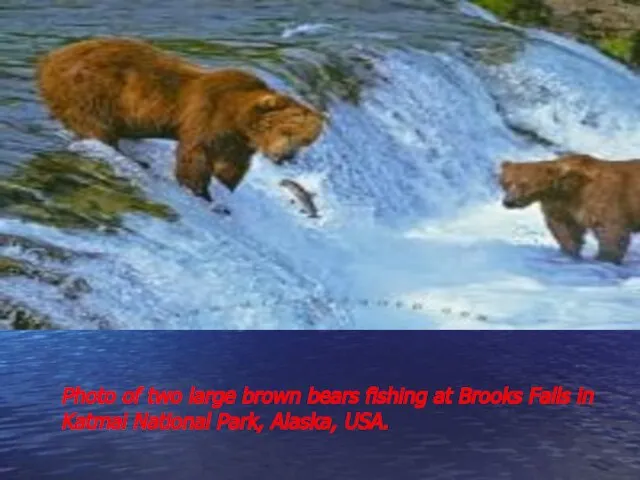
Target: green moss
[329,77]
[67,190]
[71,287]
[17,316]
[500,8]
[635,48]
[615,43]
[26,320]
[239,52]
[622,47]
[42,250]
[495,54]
[11,268]
[522,12]
[618,47]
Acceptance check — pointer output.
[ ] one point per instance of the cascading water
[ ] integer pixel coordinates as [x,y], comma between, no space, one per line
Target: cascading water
[411,234]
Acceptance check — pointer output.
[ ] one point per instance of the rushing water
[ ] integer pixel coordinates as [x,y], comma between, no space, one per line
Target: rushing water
[425,97]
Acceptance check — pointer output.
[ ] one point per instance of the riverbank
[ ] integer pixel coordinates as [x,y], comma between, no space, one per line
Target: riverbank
[613,26]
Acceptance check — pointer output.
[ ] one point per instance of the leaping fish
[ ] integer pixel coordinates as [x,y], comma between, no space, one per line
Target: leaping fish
[304,198]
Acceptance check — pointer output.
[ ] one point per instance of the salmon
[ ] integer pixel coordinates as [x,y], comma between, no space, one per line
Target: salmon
[304,198]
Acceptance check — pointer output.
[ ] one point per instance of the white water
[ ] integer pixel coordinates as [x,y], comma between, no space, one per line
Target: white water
[410,212]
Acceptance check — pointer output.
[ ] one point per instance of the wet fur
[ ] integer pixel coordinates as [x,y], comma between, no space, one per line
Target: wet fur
[115,88]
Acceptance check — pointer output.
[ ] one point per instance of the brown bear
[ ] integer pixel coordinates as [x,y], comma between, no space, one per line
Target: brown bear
[115,88]
[579,193]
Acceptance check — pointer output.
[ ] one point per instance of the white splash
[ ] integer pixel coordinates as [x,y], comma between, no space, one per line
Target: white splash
[306,29]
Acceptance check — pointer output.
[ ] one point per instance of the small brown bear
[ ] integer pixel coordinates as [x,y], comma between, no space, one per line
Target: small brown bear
[116,88]
[579,193]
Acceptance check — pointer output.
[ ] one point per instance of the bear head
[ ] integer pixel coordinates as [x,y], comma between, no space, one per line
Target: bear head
[279,126]
[525,183]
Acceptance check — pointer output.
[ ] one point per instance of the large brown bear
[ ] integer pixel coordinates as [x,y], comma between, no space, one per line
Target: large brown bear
[579,193]
[114,88]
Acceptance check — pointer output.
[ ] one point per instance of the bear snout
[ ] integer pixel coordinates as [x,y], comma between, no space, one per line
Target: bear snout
[287,153]
[283,157]
[288,157]
[508,202]
[512,201]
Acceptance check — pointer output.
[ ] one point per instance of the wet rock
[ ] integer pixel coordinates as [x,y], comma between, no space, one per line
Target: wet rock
[74,288]
[521,12]
[16,316]
[43,251]
[66,190]
[71,287]
[530,135]
[613,26]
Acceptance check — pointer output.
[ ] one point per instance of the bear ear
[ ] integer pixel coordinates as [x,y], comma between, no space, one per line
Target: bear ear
[505,163]
[268,102]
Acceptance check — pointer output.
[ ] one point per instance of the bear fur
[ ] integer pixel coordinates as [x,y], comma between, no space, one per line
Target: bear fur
[115,88]
[580,193]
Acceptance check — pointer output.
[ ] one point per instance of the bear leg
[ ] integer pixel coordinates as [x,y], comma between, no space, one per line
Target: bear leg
[613,243]
[568,234]
[94,132]
[230,172]
[193,170]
